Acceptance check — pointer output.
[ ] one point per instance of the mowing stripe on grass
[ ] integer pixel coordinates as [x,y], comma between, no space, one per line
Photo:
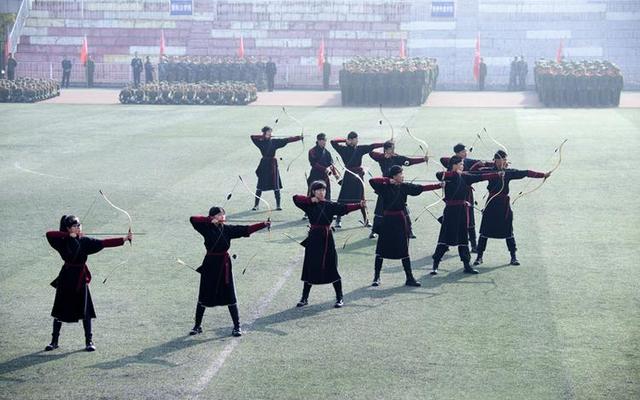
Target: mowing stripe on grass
[219,361]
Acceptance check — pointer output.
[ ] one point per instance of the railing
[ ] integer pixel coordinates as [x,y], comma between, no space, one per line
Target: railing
[16,30]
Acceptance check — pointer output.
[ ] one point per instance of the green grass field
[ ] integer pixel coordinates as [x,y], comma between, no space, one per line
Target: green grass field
[564,325]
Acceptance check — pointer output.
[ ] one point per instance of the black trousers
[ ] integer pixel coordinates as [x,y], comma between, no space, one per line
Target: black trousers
[337,286]
[482,245]
[65,78]
[463,252]
[233,310]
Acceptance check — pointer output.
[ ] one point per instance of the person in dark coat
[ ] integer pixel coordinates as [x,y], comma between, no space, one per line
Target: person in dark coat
[216,277]
[454,229]
[73,298]
[513,74]
[148,71]
[267,171]
[482,74]
[271,71]
[326,74]
[137,67]
[321,163]
[66,71]
[393,242]
[352,188]
[497,216]
[471,165]
[387,159]
[320,258]
[12,64]
[90,68]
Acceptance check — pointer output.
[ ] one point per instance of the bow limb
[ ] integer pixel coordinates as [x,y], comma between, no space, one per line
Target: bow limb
[270,210]
[388,123]
[555,167]
[297,121]
[504,148]
[119,209]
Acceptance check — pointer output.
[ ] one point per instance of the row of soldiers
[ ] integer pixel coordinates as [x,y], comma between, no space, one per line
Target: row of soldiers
[218,93]
[390,81]
[194,69]
[28,90]
[578,84]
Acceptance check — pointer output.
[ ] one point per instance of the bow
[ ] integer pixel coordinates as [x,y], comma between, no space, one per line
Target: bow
[104,196]
[503,176]
[297,121]
[558,150]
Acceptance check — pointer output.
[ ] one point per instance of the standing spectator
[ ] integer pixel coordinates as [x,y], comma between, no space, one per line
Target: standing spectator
[12,64]
[326,74]
[271,74]
[482,75]
[136,65]
[513,73]
[66,71]
[523,70]
[148,71]
[162,68]
[90,68]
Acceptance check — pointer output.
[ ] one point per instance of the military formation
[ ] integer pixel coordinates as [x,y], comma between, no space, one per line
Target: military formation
[390,81]
[578,83]
[194,69]
[28,90]
[218,93]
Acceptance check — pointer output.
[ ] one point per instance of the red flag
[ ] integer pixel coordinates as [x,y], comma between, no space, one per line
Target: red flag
[84,51]
[403,50]
[476,60]
[241,48]
[559,55]
[321,54]
[162,43]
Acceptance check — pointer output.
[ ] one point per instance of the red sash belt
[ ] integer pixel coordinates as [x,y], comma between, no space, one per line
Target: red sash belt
[395,213]
[85,274]
[327,229]
[226,264]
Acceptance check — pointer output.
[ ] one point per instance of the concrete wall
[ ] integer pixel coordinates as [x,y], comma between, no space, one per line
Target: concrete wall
[291,30]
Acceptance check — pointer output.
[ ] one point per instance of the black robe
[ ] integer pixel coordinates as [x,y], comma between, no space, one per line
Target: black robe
[267,171]
[458,210]
[497,217]
[320,159]
[73,298]
[393,242]
[320,257]
[216,277]
[352,189]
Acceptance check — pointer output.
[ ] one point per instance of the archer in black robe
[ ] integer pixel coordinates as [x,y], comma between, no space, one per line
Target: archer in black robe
[320,257]
[321,163]
[352,189]
[216,276]
[386,161]
[497,216]
[456,216]
[73,299]
[267,171]
[393,241]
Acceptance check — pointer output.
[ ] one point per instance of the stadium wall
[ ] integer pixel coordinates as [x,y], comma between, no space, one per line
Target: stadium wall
[290,31]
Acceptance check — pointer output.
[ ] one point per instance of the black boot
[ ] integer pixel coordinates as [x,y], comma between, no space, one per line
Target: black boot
[197,327]
[304,300]
[257,201]
[434,269]
[411,281]
[514,260]
[57,325]
[235,317]
[478,260]
[277,195]
[376,271]
[89,346]
[469,270]
[337,286]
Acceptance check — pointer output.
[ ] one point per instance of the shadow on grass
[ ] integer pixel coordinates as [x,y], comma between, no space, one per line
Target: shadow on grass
[154,355]
[30,360]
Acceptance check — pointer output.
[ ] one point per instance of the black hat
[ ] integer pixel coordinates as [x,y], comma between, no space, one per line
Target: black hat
[321,136]
[315,185]
[213,211]
[453,161]
[352,135]
[394,170]
[265,129]
[500,155]
[458,148]
[388,145]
